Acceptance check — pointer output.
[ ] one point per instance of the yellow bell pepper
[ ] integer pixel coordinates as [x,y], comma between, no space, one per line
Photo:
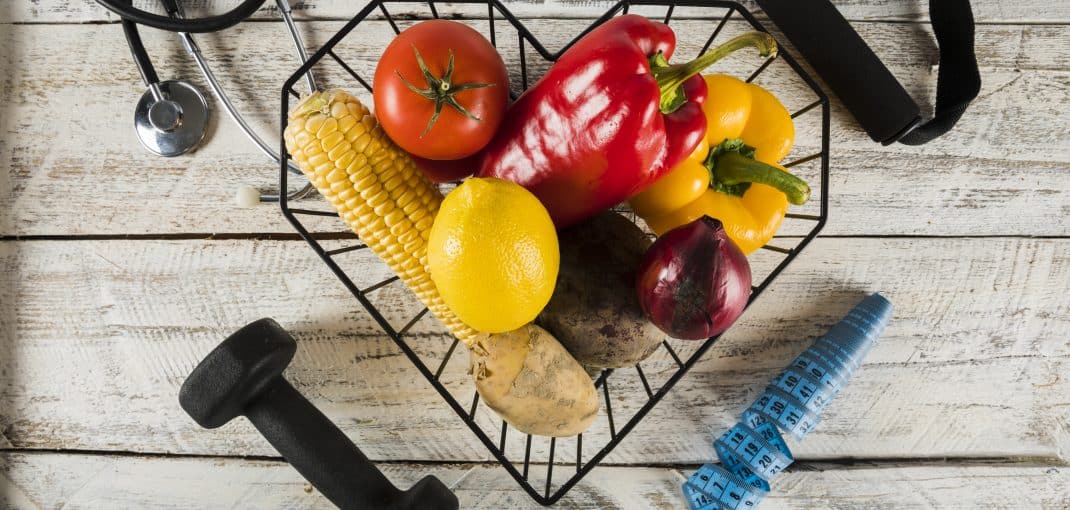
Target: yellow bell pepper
[679,187]
[733,176]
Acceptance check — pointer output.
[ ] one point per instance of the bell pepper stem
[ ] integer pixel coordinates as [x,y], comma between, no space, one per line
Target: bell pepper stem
[732,168]
[670,76]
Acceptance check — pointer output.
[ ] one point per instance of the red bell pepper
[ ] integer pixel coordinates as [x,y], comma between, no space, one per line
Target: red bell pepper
[608,119]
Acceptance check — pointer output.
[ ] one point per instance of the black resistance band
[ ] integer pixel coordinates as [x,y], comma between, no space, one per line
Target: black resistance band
[854,73]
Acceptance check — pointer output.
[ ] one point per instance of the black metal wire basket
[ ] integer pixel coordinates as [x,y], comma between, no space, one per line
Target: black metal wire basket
[705,21]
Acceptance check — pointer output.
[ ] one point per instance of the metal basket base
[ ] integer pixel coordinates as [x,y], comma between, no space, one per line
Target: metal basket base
[683,355]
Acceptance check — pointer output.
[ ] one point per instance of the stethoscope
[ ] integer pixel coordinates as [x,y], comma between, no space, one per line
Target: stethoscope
[171,118]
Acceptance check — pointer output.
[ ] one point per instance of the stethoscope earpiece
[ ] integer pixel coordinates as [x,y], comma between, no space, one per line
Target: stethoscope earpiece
[247,196]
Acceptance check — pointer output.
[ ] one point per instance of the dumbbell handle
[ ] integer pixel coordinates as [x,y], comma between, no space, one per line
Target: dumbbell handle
[326,457]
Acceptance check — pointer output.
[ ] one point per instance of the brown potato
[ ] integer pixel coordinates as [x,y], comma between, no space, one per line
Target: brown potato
[594,311]
[533,383]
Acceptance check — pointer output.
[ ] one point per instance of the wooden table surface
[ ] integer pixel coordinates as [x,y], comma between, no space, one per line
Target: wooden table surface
[120,270]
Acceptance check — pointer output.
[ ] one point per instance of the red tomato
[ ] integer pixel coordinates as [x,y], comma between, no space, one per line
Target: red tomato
[469,103]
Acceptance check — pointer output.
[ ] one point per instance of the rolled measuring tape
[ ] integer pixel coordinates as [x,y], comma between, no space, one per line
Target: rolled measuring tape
[753,451]
[786,411]
[714,488]
[813,393]
[744,446]
[819,368]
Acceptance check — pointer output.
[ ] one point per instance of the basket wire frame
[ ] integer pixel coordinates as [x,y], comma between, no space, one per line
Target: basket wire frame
[496,14]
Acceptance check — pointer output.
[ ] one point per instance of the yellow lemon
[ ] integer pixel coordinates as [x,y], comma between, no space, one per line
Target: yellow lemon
[493,254]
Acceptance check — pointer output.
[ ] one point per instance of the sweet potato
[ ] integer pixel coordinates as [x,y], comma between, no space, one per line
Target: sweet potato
[533,383]
[594,311]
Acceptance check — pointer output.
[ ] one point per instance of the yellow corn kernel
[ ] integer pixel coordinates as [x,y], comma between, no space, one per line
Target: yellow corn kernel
[375,187]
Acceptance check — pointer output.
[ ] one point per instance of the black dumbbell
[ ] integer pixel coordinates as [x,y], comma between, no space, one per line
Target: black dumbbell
[243,376]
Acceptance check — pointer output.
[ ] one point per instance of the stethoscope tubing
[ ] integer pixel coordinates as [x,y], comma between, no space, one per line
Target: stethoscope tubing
[228,106]
[295,36]
[141,57]
[126,10]
[185,29]
[232,112]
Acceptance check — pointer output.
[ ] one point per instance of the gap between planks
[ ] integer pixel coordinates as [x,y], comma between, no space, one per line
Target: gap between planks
[830,463]
[93,482]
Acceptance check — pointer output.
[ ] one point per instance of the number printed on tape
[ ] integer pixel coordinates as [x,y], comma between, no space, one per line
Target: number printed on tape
[767,430]
[749,477]
[809,392]
[725,488]
[786,411]
[763,458]
[709,476]
[835,360]
[753,451]
[738,467]
[818,370]
[699,500]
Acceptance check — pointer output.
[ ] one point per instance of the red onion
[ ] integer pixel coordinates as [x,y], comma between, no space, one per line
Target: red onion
[693,282]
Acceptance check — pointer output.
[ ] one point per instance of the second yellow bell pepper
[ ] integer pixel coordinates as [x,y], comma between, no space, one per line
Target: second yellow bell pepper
[733,176]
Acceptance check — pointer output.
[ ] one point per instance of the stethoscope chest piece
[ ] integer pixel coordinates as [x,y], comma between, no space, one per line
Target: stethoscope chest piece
[171,118]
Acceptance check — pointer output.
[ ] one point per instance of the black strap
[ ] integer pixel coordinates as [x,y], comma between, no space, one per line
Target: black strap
[958,81]
[862,82]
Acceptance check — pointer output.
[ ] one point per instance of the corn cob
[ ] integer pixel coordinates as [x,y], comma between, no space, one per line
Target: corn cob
[376,188]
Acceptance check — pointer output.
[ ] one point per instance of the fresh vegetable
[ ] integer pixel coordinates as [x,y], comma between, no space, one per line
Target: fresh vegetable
[493,254]
[609,118]
[529,379]
[686,182]
[391,206]
[594,312]
[375,187]
[694,282]
[737,180]
[441,90]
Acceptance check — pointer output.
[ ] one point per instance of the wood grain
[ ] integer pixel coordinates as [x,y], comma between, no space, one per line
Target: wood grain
[98,336]
[74,167]
[88,481]
[81,11]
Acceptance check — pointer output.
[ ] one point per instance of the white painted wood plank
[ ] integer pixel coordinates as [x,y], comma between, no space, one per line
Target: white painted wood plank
[974,364]
[35,480]
[74,167]
[80,11]
[84,481]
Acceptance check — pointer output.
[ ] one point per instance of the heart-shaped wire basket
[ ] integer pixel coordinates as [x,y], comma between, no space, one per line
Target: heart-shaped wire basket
[627,395]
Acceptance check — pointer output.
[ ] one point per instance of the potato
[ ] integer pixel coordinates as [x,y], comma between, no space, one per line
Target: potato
[533,383]
[594,311]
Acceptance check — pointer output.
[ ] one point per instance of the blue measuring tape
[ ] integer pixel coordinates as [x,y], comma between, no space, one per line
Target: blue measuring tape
[743,446]
[753,451]
[714,488]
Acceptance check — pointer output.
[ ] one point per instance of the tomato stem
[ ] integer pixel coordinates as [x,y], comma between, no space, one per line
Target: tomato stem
[441,90]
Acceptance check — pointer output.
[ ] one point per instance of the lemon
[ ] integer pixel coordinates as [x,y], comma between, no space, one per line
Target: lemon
[493,254]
